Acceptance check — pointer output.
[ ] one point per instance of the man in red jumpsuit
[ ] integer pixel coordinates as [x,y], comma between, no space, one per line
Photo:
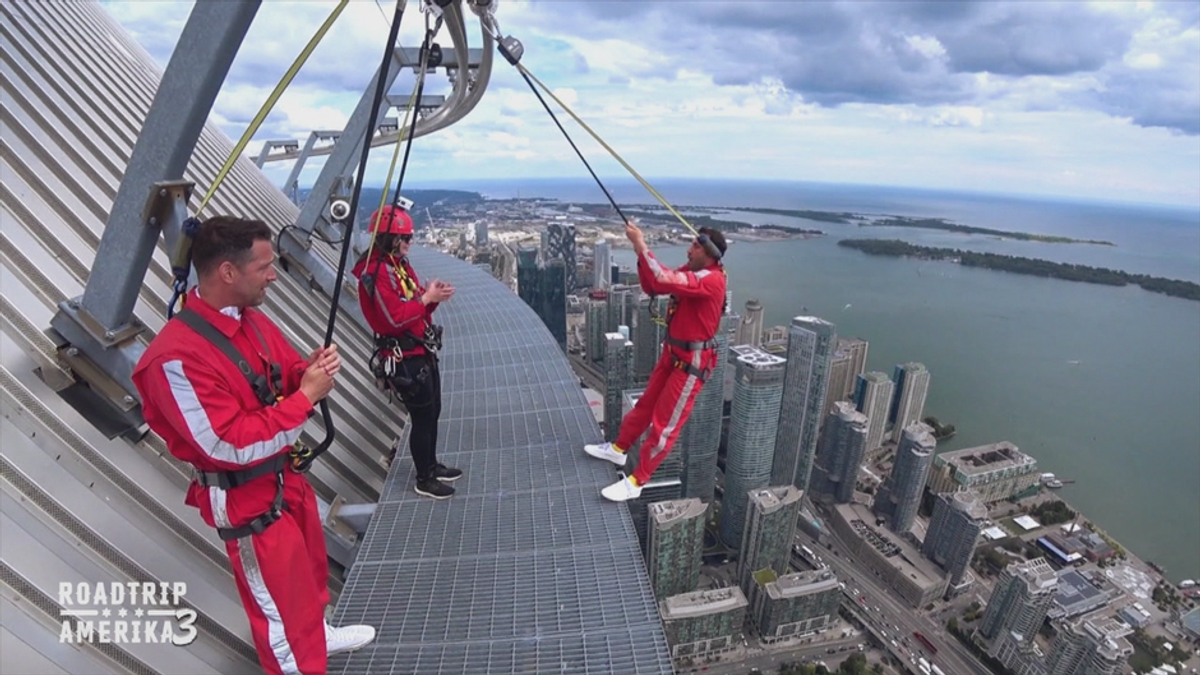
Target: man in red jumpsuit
[238,435]
[400,311]
[697,292]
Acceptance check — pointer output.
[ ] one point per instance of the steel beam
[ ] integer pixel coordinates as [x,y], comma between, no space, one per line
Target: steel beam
[98,324]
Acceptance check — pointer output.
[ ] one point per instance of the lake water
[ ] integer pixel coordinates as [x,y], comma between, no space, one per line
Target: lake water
[1099,384]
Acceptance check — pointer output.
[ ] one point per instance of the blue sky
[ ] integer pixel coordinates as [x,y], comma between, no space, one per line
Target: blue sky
[1095,100]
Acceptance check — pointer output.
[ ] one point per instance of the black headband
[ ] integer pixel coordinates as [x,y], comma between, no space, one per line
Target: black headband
[709,247]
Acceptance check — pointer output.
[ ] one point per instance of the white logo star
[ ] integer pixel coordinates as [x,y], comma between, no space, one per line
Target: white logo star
[106,612]
[138,612]
[121,612]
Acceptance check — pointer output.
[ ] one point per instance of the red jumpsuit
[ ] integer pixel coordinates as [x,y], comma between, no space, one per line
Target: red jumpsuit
[204,408]
[665,405]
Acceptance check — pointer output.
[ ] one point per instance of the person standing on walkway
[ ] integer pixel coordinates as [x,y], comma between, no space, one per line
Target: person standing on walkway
[697,291]
[400,312]
[229,395]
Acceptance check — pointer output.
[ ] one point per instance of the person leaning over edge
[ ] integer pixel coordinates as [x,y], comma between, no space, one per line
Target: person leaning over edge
[697,291]
[238,436]
[400,311]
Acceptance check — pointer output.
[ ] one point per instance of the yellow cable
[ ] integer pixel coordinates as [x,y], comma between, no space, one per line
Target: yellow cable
[270,103]
[599,140]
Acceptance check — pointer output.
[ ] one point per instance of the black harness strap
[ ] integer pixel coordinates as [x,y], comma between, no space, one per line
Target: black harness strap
[691,346]
[262,522]
[227,480]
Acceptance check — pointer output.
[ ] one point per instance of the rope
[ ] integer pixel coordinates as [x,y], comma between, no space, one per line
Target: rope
[302,461]
[270,102]
[413,100]
[182,258]
[528,76]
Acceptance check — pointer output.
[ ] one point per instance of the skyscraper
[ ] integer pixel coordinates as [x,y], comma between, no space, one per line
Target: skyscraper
[839,373]
[622,305]
[858,349]
[1018,606]
[749,331]
[618,376]
[757,391]
[554,300]
[700,439]
[676,541]
[840,453]
[481,233]
[648,335]
[794,605]
[560,243]
[770,529]
[602,266]
[873,398]
[1093,645]
[958,518]
[900,496]
[908,405]
[810,344]
[596,327]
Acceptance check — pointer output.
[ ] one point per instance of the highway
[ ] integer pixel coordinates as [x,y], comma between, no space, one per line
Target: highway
[770,662]
[884,612]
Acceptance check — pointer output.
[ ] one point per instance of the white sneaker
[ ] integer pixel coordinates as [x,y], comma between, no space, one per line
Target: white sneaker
[622,490]
[347,638]
[606,452]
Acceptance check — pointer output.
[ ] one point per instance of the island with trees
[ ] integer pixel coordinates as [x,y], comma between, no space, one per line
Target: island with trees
[1031,266]
[942,224]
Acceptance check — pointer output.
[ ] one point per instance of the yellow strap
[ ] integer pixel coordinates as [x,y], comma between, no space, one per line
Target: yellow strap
[270,103]
[612,152]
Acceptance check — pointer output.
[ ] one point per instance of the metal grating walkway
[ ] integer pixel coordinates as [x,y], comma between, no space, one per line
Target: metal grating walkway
[526,569]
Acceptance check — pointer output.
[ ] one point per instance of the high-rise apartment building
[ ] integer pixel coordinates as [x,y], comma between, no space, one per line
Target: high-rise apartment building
[703,623]
[1017,607]
[560,243]
[749,331]
[958,518]
[848,362]
[618,376]
[676,541]
[908,405]
[700,439]
[540,283]
[842,445]
[810,346]
[794,605]
[481,234]
[595,324]
[757,391]
[1093,645]
[873,398]
[769,532]
[648,335]
[900,496]
[602,265]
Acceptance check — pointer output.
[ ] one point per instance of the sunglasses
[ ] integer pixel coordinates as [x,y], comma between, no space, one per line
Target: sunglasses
[406,238]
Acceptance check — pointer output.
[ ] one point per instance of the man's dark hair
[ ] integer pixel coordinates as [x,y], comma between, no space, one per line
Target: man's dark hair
[715,236]
[222,238]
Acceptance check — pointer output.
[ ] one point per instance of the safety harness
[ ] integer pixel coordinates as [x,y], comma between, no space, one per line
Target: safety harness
[267,392]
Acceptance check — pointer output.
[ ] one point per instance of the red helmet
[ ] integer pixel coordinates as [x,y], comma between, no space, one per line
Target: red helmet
[391,220]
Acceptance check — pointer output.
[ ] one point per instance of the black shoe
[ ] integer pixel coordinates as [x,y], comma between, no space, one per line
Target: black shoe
[446,474]
[431,487]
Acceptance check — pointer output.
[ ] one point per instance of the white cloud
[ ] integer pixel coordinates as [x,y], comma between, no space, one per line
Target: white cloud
[970,96]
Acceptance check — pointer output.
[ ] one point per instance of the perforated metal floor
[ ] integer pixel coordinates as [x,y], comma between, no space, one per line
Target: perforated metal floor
[526,569]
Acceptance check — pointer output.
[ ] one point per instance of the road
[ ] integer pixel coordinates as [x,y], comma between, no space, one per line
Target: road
[887,612]
[769,662]
[591,377]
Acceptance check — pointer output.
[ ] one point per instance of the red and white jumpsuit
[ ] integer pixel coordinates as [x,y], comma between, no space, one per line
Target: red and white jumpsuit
[204,408]
[667,401]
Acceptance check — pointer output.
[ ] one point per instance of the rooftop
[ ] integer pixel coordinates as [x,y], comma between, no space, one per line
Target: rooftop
[899,552]
[699,603]
[802,583]
[772,498]
[970,503]
[757,358]
[1074,588]
[985,458]
[670,512]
